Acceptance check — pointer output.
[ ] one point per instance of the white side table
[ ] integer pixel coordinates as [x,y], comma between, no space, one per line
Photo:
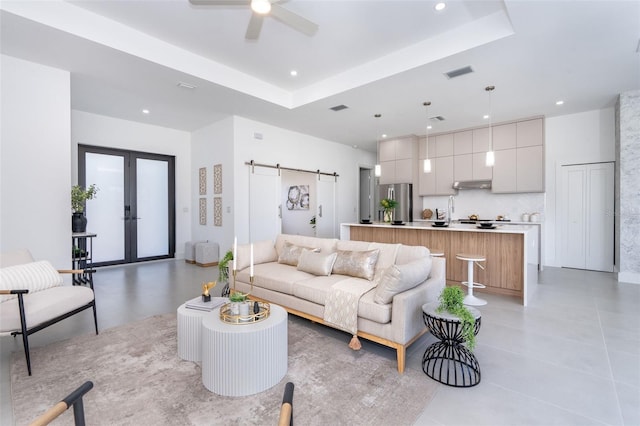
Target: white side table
[244,359]
[189,330]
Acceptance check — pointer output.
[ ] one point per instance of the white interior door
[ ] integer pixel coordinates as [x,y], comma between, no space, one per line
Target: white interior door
[326,210]
[265,209]
[588,216]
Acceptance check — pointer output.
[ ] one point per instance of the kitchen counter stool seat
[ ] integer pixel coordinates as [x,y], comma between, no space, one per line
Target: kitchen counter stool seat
[470,299]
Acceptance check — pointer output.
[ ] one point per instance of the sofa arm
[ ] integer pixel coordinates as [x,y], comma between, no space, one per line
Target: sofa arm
[406,311]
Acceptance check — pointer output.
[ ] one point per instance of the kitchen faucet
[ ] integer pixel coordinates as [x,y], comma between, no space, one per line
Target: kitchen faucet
[450,208]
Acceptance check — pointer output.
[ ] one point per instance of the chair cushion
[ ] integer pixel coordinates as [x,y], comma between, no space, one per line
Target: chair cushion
[15,257]
[34,276]
[43,305]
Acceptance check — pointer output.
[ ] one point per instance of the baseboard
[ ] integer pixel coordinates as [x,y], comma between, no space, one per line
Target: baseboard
[629,277]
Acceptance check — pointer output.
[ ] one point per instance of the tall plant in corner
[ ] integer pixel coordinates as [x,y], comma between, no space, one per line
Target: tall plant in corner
[451,300]
[79,196]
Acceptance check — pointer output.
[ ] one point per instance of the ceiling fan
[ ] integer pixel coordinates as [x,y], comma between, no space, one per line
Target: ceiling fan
[262,8]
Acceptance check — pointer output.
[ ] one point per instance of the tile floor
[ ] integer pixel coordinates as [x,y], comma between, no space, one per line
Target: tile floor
[570,358]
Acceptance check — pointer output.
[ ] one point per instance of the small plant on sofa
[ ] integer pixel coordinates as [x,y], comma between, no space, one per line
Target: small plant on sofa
[451,300]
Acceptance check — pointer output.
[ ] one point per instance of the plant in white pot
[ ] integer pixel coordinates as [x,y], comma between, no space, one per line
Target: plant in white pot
[79,196]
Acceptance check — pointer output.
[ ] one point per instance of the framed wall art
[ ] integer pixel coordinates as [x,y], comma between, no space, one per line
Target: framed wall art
[217,179]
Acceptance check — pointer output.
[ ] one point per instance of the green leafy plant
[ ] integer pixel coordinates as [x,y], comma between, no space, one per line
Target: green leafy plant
[451,300]
[80,195]
[238,297]
[388,203]
[223,266]
[312,222]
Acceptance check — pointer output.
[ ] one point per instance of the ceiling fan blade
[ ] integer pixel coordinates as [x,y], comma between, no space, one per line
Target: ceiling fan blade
[254,27]
[294,20]
[220,2]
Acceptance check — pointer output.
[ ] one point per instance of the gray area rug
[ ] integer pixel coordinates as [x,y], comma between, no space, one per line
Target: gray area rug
[139,380]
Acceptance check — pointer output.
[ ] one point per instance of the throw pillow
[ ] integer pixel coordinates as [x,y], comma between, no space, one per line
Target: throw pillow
[316,263]
[359,264]
[399,278]
[34,276]
[290,253]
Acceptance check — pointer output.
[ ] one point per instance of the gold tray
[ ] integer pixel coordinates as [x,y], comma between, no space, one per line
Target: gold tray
[228,317]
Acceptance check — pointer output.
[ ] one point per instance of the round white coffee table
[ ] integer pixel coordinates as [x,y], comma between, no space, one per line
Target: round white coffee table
[189,329]
[244,359]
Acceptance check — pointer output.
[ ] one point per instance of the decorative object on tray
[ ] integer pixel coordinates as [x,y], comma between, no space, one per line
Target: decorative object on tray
[228,315]
[206,297]
[388,205]
[199,304]
[427,213]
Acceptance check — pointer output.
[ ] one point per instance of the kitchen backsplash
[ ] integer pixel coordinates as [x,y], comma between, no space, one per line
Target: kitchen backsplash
[488,205]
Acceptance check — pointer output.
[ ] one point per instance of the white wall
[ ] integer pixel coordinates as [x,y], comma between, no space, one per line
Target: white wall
[35,181]
[587,137]
[212,145]
[99,130]
[295,150]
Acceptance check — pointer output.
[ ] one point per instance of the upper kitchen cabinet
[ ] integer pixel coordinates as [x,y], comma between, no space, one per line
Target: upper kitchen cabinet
[463,143]
[397,158]
[480,139]
[504,136]
[444,145]
[422,147]
[529,133]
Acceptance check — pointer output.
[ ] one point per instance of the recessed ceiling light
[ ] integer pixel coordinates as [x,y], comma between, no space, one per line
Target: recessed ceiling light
[293,73]
[559,102]
[429,127]
[384,135]
[440,6]
[261,7]
[145,111]
[486,116]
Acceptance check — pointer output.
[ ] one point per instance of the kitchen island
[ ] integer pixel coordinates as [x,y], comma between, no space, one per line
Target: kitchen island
[511,251]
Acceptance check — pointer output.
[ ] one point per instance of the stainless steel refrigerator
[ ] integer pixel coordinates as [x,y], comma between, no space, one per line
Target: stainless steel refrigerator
[403,194]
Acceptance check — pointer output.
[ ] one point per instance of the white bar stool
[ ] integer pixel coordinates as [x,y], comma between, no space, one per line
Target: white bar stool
[436,252]
[470,299]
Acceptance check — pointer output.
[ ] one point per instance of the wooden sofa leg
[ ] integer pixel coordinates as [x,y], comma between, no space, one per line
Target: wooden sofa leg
[25,336]
[401,352]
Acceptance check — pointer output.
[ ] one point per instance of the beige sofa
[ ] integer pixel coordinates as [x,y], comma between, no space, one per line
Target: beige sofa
[405,278]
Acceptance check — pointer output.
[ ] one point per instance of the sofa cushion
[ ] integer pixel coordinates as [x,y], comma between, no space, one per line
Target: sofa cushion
[399,278]
[316,289]
[386,258]
[263,252]
[290,253]
[369,309]
[316,263]
[44,305]
[360,264]
[274,276]
[408,253]
[326,245]
[34,276]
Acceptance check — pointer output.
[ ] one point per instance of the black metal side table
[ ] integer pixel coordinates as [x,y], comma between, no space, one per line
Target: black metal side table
[81,257]
[449,361]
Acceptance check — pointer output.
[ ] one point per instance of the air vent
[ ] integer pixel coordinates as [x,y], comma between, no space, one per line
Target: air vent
[437,118]
[338,108]
[459,72]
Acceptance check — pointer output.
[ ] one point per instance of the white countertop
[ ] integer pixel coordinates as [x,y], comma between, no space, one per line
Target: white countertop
[463,227]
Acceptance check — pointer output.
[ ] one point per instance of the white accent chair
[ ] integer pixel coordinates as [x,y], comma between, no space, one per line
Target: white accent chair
[33,297]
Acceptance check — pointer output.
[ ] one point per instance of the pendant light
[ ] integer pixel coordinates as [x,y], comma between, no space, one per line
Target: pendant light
[490,160]
[377,170]
[426,164]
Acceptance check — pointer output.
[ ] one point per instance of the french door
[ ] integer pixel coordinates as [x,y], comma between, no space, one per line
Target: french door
[133,213]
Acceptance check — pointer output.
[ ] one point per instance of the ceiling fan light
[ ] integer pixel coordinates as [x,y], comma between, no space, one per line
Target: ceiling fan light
[261,7]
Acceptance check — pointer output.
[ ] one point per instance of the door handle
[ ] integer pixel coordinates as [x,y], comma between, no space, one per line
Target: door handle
[320,210]
[280,211]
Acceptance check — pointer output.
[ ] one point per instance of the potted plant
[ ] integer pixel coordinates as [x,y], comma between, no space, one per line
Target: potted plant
[78,198]
[239,305]
[451,300]
[223,267]
[388,204]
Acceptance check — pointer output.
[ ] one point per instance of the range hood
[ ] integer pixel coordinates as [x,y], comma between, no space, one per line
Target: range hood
[472,184]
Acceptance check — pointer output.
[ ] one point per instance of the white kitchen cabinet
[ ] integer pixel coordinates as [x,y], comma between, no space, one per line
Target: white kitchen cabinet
[463,143]
[480,169]
[481,140]
[504,136]
[504,171]
[397,160]
[444,175]
[463,167]
[529,133]
[422,147]
[444,145]
[529,165]
[427,181]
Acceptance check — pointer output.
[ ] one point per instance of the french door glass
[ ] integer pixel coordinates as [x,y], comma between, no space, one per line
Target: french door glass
[134,211]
